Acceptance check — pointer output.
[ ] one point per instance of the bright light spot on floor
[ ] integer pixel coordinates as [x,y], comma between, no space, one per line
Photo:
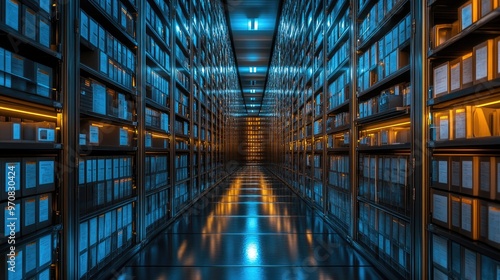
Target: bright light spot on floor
[252,252]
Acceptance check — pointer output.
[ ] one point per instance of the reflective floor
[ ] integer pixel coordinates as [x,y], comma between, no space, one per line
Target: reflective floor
[250,227]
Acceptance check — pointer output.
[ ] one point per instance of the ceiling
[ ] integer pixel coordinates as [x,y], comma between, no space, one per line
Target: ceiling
[253,45]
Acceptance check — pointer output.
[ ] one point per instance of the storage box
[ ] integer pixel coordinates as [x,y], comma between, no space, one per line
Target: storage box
[441,127]
[483,62]
[11,131]
[487,177]
[469,218]
[442,33]
[441,79]
[439,172]
[489,217]
[39,131]
[389,101]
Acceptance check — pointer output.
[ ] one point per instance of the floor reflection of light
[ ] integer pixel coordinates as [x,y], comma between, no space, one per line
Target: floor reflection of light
[252,252]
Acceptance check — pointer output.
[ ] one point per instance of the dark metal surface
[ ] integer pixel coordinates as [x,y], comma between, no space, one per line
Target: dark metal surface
[238,231]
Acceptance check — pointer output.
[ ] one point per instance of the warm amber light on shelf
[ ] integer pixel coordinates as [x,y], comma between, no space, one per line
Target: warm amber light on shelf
[28,113]
[487,104]
[387,126]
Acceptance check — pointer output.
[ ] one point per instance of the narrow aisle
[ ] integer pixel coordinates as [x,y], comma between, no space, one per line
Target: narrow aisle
[250,227]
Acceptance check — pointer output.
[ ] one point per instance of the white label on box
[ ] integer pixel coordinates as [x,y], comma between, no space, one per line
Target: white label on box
[467,174]
[84,235]
[455,212]
[455,173]
[466,215]
[29,212]
[12,176]
[30,175]
[83,264]
[45,5]
[470,264]
[93,231]
[107,225]
[443,128]
[101,169]
[102,39]
[83,139]
[123,137]
[8,61]
[93,32]
[46,135]
[443,172]
[99,98]
[46,172]
[494,224]
[466,16]
[12,14]
[45,252]
[440,251]
[17,66]
[440,208]
[30,24]
[89,171]
[481,62]
[103,62]
[498,59]
[16,131]
[460,123]
[84,25]
[81,171]
[43,81]
[44,33]
[467,70]
[31,255]
[455,77]
[2,60]
[109,169]
[94,134]
[441,79]
[43,207]
[148,140]
[484,184]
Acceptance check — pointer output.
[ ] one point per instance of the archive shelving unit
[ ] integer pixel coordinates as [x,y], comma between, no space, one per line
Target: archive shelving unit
[115,115]
[31,106]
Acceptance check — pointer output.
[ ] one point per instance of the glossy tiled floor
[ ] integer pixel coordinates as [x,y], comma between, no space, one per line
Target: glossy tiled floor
[251,227]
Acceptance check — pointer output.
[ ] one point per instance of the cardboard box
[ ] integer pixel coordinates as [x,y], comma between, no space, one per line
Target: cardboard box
[442,33]
[483,59]
[11,131]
